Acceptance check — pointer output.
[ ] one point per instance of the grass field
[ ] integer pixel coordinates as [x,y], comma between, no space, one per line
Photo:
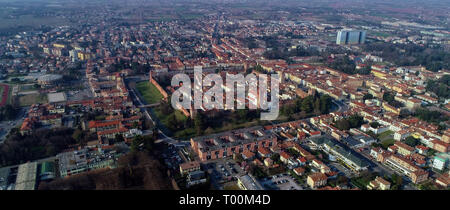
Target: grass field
[30,99]
[388,142]
[149,92]
[27,87]
[385,135]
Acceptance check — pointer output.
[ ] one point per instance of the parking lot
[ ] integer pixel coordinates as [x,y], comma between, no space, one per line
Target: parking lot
[6,126]
[281,182]
[76,95]
[348,173]
[223,171]
[172,157]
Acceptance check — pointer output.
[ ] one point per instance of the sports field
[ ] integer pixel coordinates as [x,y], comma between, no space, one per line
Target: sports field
[4,92]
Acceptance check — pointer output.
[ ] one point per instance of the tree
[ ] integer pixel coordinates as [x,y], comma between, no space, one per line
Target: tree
[353,121]
[119,138]
[43,143]
[275,157]
[411,141]
[343,124]
[78,135]
[440,87]
[209,130]
[307,104]
[8,112]
[374,124]
[198,123]
[342,180]
[367,96]
[172,122]
[388,97]
[141,142]
[165,107]
[325,104]
[242,114]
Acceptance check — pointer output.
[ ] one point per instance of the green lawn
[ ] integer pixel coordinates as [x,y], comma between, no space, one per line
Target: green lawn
[388,142]
[149,92]
[385,134]
[27,87]
[164,118]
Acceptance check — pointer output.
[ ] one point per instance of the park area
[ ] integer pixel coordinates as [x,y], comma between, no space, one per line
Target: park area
[149,92]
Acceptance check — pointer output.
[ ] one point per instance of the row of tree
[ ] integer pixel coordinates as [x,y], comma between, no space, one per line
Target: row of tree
[42,143]
[390,99]
[8,112]
[440,87]
[136,170]
[433,58]
[430,116]
[311,104]
[353,121]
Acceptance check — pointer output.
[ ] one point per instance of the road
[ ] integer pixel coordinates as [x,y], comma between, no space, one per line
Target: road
[6,126]
[385,170]
[342,107]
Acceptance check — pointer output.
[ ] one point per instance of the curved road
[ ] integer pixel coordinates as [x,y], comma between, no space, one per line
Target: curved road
[166,138]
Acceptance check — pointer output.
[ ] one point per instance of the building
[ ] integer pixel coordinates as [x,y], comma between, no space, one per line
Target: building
[403,148]
[406,167]
[401,134]
[248,182]
[379,184]
[443,180]
[57,97]
[47,171]
[441,161]
[440,146]
[49,79]
[226,144]
[316,180]
[26,176]
[446,137]
[264,152]
[285,157]
[350,37]
[195,178]
[299,171]
[189,167]
[79,161]
[343,153]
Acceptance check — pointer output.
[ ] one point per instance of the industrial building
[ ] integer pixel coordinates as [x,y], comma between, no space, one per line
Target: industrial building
[351,37]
